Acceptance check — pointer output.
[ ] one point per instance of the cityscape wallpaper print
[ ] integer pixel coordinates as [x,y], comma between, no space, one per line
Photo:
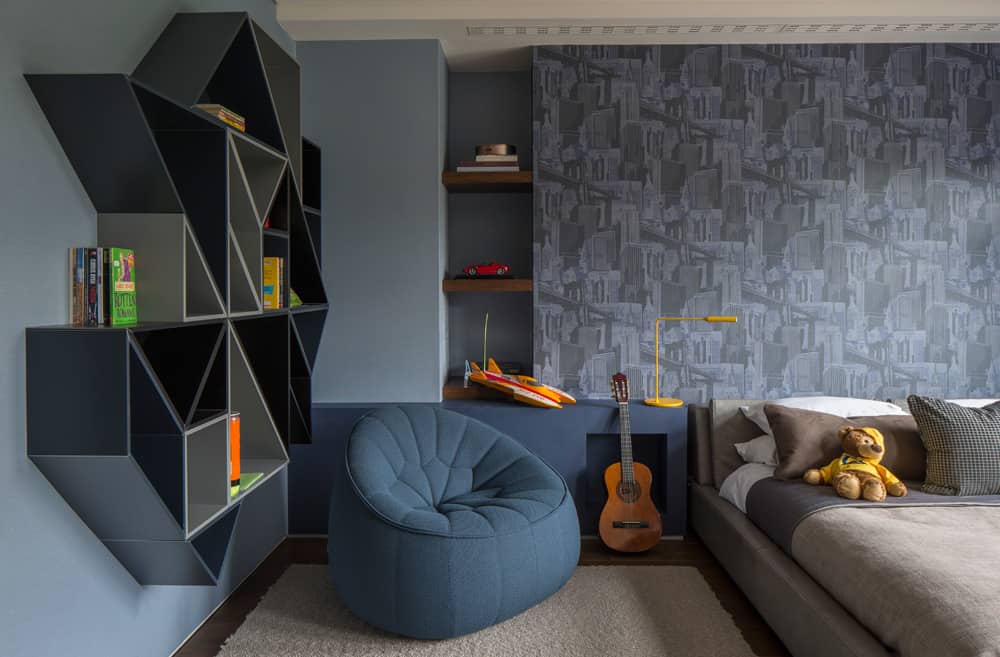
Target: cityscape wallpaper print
[843,201]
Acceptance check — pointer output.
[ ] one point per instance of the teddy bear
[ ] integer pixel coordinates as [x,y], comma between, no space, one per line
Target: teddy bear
[858,472]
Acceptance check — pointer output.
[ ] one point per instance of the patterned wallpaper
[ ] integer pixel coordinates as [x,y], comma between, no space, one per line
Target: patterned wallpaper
[842,200]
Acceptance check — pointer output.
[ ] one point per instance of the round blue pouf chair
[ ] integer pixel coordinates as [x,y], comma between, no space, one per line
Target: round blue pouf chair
[440,525]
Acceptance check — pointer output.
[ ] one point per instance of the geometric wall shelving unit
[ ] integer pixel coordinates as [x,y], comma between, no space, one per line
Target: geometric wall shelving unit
[139,447]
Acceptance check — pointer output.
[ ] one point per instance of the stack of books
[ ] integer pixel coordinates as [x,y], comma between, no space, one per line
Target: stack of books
[274,283]
[102,286]
[491,158]
[224,114]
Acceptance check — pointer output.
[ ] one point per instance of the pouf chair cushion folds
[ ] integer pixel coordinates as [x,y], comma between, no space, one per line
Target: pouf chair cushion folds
[441,525]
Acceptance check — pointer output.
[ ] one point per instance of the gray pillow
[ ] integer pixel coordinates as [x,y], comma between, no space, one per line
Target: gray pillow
[963,446]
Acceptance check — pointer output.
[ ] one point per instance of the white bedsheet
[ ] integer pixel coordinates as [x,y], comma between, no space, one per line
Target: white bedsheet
[737,485]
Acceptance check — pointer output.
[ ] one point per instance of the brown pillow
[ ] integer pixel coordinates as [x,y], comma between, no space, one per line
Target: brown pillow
[808,439]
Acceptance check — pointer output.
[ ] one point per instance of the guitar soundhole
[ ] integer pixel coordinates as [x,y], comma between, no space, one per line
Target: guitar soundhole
[629,492]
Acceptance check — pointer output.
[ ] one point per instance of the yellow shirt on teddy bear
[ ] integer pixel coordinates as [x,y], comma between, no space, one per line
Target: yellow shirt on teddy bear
[870,465]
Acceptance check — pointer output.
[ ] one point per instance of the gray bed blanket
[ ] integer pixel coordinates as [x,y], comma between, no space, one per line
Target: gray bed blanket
[921,572]
[777,507]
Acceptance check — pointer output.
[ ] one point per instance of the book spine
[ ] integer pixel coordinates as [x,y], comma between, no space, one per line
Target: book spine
[467,163]
[100,287]
[79,291]
[123,291]
[497,158]
[487,169]
[233,123]
[271,300]
[71,297]
[109,284]
[91,287]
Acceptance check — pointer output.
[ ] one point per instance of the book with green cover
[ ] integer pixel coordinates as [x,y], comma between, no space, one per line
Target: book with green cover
[247,480]
[122,310]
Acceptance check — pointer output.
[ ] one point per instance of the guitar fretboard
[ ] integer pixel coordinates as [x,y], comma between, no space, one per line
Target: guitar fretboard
[628,474]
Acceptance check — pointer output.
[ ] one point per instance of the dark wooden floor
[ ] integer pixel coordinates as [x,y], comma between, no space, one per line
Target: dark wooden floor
[688,552]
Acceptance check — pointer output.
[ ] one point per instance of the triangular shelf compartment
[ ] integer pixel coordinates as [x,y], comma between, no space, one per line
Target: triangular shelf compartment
[276,217]
[283,78]
[260,439]
[207,470]
[300,386]
[213,58]
[262,169]
[244,297]
[212,400]
[179,357]
[305,275]
[100,124]
[299,432]
[155,437]
[173,284]
[202,299]
[244,222]
[309,327]
[212,545]
[265,342]
[311,181]
[194,151]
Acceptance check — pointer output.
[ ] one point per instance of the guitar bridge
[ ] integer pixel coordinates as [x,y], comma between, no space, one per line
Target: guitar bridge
[630,524]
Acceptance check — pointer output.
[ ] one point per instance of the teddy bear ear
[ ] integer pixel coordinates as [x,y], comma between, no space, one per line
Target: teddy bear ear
[844,431]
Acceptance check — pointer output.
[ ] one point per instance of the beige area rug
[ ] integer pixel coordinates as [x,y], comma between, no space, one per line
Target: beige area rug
[620,611]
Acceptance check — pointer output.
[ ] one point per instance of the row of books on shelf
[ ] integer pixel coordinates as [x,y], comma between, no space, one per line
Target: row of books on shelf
[491,158]
[102,286]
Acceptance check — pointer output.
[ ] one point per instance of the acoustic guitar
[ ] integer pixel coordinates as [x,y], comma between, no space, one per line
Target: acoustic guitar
[629,521]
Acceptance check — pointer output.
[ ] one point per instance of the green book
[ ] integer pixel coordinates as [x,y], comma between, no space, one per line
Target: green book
[120,283]
[247,479]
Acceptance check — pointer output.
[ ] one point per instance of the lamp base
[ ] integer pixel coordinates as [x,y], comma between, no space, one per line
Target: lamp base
[664,402]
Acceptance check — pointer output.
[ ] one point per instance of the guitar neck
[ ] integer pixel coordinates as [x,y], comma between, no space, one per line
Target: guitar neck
[628,473]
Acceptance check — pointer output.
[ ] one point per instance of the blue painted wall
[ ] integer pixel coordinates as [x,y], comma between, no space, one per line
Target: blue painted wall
[558,436]
[61,591]
[377,110]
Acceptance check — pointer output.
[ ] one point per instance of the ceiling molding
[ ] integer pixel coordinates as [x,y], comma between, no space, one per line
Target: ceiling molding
[487,36]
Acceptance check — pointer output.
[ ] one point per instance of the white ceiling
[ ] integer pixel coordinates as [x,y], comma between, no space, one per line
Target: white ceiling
[480,35]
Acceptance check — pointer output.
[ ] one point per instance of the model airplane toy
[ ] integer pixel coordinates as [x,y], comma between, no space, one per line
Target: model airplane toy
[524,389]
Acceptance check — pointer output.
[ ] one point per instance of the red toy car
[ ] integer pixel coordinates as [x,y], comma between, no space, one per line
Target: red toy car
[490,269]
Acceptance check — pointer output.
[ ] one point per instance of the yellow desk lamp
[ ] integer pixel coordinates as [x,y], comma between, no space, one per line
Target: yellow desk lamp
[668,402]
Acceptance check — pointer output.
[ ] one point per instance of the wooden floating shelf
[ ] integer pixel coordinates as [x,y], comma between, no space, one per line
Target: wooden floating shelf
[487,182]
[454,389]
[486,285]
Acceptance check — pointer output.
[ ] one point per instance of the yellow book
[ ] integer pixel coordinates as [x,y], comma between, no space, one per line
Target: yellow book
[272,283]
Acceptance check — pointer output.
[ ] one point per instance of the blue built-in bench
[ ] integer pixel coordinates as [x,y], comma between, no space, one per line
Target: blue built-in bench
[579,441]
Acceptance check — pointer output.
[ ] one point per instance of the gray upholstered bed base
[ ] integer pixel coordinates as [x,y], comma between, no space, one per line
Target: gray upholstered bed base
[802,614]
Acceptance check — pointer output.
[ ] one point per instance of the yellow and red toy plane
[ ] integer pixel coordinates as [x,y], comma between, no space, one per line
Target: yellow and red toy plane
[524,389]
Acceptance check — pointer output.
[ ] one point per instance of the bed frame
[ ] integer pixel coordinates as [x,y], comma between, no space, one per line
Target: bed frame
[806,618]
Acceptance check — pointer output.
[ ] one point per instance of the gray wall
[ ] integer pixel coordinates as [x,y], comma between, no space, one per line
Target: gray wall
[62,591]
[842,200]
[376,110]
[489,108]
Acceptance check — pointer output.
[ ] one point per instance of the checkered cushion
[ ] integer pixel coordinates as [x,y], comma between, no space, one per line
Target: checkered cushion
[963,446]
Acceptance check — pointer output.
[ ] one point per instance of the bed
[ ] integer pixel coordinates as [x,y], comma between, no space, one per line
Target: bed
[917,577]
